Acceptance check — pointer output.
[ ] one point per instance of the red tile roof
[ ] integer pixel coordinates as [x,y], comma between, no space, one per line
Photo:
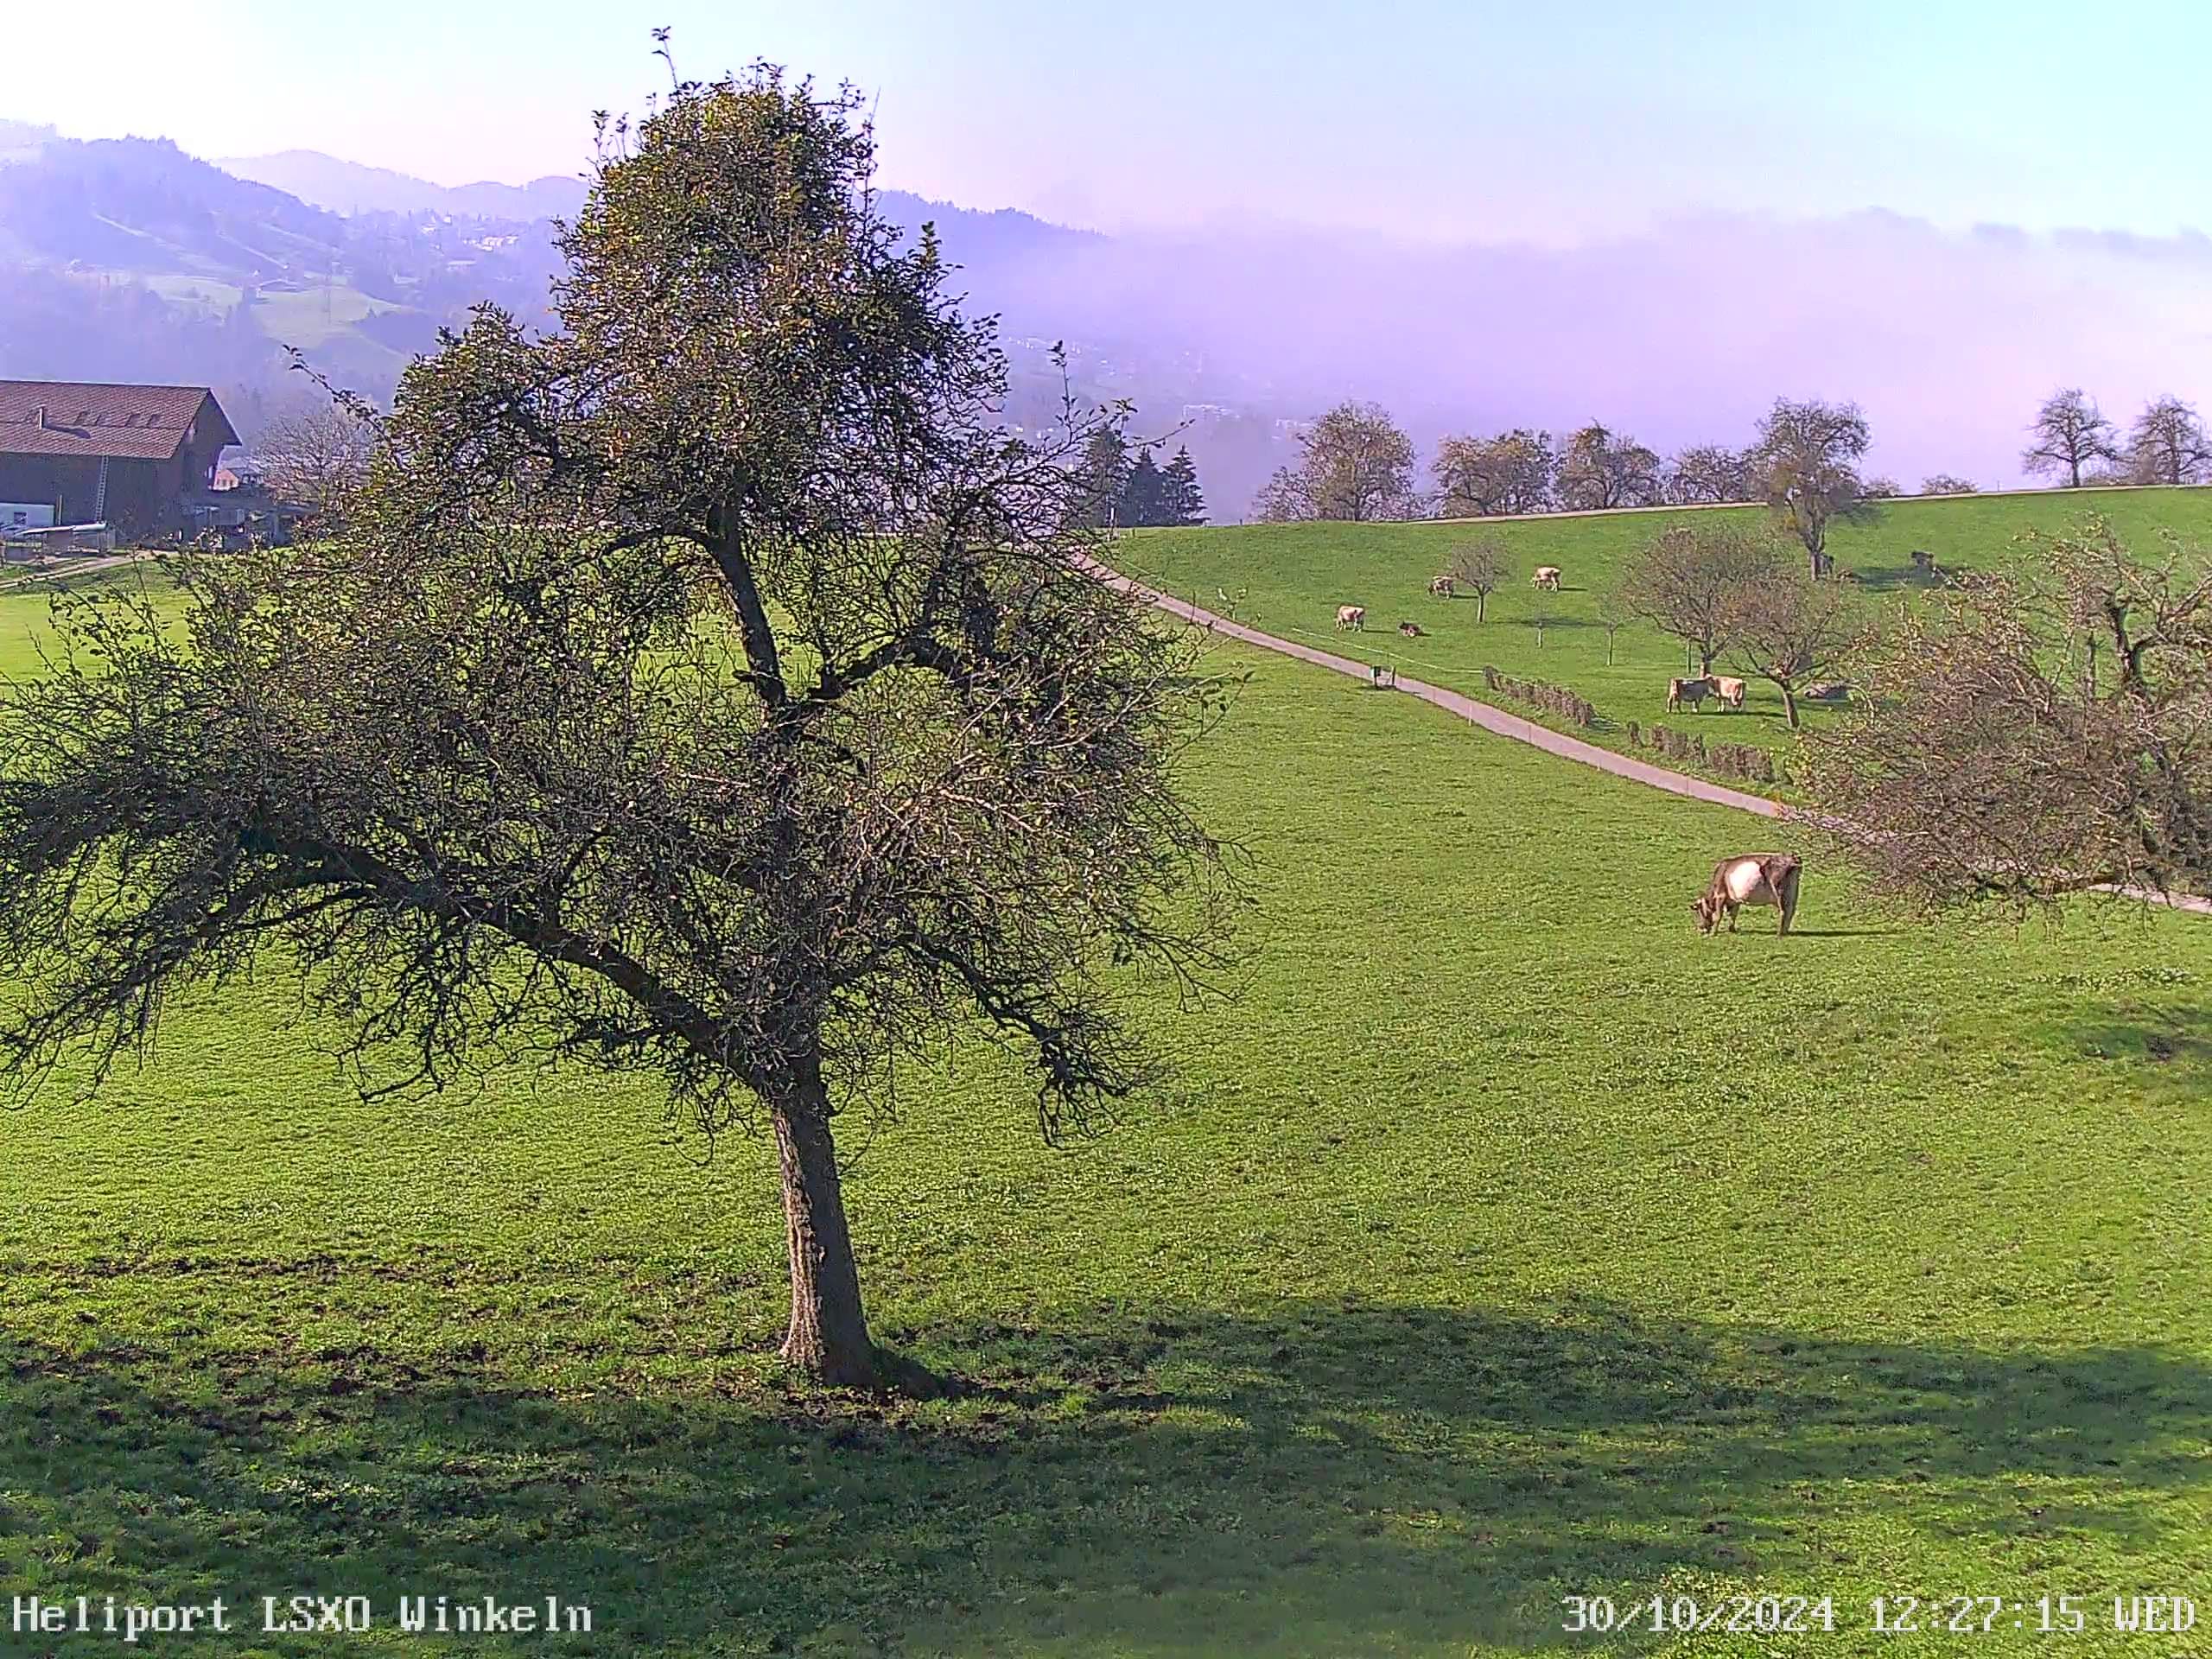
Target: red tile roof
[124,422]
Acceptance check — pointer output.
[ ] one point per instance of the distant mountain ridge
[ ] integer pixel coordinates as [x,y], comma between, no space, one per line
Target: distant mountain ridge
[971,236]
[351,188]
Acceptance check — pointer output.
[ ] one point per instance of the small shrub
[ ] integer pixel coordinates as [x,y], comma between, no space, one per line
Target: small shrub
[1539,694]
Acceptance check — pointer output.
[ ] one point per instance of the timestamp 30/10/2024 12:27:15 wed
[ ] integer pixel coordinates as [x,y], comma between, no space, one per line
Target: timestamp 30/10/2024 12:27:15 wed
[2057,1615]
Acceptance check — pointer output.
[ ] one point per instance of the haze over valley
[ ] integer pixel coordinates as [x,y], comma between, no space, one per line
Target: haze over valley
[132,259]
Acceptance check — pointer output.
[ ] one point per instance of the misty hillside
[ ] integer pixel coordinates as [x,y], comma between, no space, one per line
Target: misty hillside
[350,188]
[132,260]
[129,259]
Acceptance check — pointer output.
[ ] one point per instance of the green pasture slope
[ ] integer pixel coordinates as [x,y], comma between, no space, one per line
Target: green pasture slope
[1289,579]
[1504,1242]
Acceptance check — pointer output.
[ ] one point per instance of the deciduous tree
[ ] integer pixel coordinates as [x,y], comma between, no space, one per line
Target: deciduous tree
[315,455]
[1709,473]
[2067,436]
[2031,736]
[2169,445]
[1806,463]
[1788,628]
[1599,469]
[1686,579]
[704,687]
[1948,484]
[1356,465]
[1479,566]
[1479,477]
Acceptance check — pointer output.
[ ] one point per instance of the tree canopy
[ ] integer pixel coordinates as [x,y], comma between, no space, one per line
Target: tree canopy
[1480,478]
[1355,465]
[2026,737]
[1806,463]
[1599,468]
[2067,436]
[704,687]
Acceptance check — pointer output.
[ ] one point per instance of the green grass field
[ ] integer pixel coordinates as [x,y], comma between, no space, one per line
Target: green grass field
[1290,579]
[1504,1242]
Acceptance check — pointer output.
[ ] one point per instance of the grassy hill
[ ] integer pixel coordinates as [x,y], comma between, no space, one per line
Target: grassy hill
[1504,1242]
[1289,579]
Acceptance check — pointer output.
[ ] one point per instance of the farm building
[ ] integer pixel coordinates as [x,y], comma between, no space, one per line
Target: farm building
[140,458]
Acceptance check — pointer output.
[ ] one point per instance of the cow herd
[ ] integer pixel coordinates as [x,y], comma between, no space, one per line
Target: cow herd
[1746,879]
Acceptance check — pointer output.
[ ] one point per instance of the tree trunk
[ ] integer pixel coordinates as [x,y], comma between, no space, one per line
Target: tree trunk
[1482,603]
[1704,663]
[828,1338]
[1788,703]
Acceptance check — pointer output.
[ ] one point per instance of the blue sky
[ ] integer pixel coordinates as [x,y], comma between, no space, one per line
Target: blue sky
[1471,120]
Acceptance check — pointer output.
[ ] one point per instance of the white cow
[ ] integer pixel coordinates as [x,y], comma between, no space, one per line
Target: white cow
[1352,616]
[1731,691]
[1546,576]
[1750,879]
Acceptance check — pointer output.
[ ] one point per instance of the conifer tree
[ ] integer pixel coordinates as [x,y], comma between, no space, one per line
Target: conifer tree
[1180,498]
[1142,502]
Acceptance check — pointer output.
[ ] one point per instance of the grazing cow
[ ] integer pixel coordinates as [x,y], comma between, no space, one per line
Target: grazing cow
[1826,691]
[1546,576]
[1412,630]
[1440,587]
[1730,692]
[1692,692]
[1749,879]
[1352,616]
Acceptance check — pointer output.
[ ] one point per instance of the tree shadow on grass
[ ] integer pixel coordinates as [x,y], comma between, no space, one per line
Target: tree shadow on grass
[2175,1044]
[1315,1477]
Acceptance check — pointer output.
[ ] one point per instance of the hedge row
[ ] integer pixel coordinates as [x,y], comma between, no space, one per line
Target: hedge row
[1744,761]
[1553,699]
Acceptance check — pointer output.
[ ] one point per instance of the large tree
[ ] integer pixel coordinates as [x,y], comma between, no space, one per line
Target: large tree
[704,687]
[1709,473]
[1790,629]
[1480,478]
[2169,445]
[1354,465]
[1684,581]
[1599,468]
[1806,465]
[2067,436]
[2030,736]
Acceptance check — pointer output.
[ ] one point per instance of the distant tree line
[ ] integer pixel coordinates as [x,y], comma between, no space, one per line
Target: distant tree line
[1119,493]
[2072,441]
[1356,464]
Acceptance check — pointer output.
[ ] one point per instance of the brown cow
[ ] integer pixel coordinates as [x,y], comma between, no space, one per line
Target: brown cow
[1352,616]
[1749,879]
[1412,630]
[1730,692]
[1690,691]
[1546,576]
[1441,588]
